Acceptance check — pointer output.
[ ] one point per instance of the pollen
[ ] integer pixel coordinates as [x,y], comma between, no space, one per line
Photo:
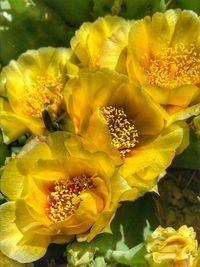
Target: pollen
[43,93]
[122,130]
[174,67]
[64,198]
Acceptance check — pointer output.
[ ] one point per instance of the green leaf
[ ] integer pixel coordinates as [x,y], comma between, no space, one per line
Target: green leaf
[2,199]
[29,25]
[190,158]
[127,8]
[134,221]
[4,151]
[139,8]
[133,256]
[73,12]
[185,4]
[102,8]
[55,251]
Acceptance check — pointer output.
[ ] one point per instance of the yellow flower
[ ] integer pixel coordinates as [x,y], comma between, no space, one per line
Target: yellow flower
[167,247]
[29,86]
[56,190]
[120,120]
[164,57]
[91,43]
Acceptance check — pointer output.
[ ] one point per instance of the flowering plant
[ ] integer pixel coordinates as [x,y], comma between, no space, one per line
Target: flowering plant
[99,134]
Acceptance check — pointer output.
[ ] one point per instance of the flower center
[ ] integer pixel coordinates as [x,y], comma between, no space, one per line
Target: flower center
[174,67]
[122,131]
[44,93]
[64,198]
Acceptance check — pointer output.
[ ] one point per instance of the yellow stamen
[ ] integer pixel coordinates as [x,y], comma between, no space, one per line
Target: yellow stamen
[122,131]
[64,198]
[173,67]
[44,93]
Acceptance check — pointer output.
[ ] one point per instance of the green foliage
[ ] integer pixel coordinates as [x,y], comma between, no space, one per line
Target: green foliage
[103,7]
[81,254]
[4,151]
[73,12]
[185,4]
[190,158]
[127,8]
[140,8]
[29,25]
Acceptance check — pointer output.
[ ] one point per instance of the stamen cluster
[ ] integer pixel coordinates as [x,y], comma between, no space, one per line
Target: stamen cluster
[64,198]
[173,67]
[122,130]
[44,93]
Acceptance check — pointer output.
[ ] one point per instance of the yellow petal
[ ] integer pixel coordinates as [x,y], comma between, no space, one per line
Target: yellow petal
[11,176]
[101,224]
[11,125]
[113,54]
[187,22]
[145,163]
[89,40]
[34,150]
[7,262]
[31,250]
[183,114]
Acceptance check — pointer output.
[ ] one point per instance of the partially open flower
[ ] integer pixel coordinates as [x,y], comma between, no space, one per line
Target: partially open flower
[120,120]
[164,57]
[167,247]
[91,43]
[29,86]
[56,190]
